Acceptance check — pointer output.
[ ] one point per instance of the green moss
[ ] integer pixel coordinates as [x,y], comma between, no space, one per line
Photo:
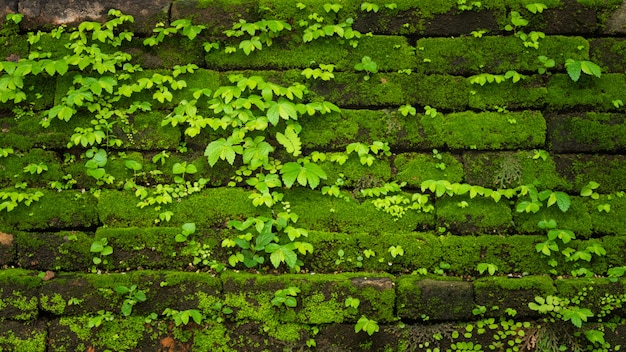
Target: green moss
[435,299]
[509,170]
[357,175]
[13,168]
[564,94]
[511,293]
[526,94]
[174,50]
[580,169]
[611,222]
[324,213]
[34,341]
[421,250]
[607,52]
[20,305]
[439,91]
[493,54]
[415,168]
[151,135]
[588,132]
[121,334]
[488,130]
[576,219]
[214,338]
[382,89]
[480,215]
[326,291]
[148,248]
[333,132]
[66,209]
[55,304]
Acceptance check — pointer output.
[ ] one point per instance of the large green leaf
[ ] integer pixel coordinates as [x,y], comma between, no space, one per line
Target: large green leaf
[282,109]
[291,140]
[307,173]
[222,149]
[256,152]
[573,68]
[281,254]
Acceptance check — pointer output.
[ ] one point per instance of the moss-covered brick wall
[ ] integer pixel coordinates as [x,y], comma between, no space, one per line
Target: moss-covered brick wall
[256,175]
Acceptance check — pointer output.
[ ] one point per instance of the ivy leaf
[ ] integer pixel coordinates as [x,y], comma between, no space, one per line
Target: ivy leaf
[307,173]
[257,154]
[281,254]
[367,325]
[576,315]
[573,68]
[222,149]
[590,68]
[291,140]
[283,108]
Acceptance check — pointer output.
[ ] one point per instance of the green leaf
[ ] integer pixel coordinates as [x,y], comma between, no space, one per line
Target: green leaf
[367,325]
[256,153]
[573,68]
[281,109]
[222,149]
[96,247]
[291,140]
[307,173]
[281,254]
[576,315]
[590,68]
[189,228]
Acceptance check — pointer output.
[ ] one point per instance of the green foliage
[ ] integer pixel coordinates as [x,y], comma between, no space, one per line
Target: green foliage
[488,267]
[102,250]
[11,199]
[102,317]
[369,7]
[370,326]
[286,297]
[188,229]
[368,66]
[536,7]
[182,317]
[132,296]
[575,67]
[282,246]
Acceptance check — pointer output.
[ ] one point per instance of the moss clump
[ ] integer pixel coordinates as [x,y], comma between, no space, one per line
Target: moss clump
[576,219]
[27,338]
[587,132]
[526,94]
[414,168]
[580,169]
[493,54]
[55,210]
[462,214]
[435,300]
[121,334]
[382,89]
[356,175]
[323,213]
[509,170]
[563,94]
[215,337]
[149,134]
[488,130]
[64,250]
[149,248]
[326,291]
[55,304]
[611,222]
[16,168]
[511,293]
